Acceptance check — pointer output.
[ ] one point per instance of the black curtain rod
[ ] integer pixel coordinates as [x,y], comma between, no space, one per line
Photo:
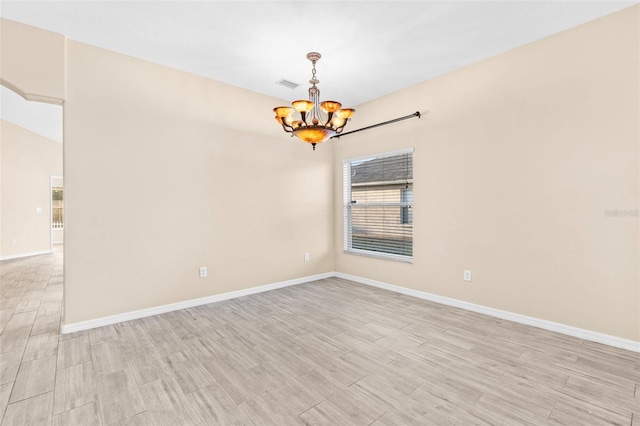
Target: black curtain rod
[415,114]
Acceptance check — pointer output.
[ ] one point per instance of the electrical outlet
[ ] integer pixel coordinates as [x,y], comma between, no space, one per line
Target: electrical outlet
[38,209]
[14,242]
[306,257]
[203,271]
[467,275]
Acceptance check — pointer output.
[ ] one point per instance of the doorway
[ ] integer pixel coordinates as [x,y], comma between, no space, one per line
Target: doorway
[57,213]
[31,156]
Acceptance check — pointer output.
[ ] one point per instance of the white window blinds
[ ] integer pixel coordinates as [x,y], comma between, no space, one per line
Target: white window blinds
[378,205]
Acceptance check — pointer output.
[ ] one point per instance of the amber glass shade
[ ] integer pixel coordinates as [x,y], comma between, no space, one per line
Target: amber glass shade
[283,111]
[337,122]
[285,120]
[345,113]
[302,106]
[315,134]
[330,106]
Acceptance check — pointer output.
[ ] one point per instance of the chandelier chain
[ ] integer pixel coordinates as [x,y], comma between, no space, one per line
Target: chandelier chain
[313,80]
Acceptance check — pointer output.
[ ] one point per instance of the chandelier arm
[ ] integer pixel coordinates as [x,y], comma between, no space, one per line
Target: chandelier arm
[329,117]
[384,123]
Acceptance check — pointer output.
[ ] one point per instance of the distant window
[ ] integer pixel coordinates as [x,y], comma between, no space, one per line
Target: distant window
[378,205]
[57,207]
[407,207]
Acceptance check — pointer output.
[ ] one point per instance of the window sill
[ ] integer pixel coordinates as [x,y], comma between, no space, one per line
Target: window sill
[383,256]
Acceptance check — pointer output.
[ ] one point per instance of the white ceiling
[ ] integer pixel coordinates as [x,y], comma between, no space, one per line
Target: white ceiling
[369,48]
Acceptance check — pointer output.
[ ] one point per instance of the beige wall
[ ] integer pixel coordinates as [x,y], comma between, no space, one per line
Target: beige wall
[165,172]
[27,160]
[515,165]
[32,62]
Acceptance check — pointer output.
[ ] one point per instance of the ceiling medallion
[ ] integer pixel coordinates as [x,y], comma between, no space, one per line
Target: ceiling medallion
[317,121]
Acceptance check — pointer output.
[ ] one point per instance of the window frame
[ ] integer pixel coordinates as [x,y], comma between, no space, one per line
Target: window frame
[347,232]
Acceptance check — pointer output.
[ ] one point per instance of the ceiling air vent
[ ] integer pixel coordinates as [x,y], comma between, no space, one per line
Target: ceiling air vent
[287,83]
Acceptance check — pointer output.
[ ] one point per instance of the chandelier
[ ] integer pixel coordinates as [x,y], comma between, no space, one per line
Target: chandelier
[317,121]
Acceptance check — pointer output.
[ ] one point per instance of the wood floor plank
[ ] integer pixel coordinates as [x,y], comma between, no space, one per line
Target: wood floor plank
[41,346]
[34,378]
[255,414]
[14,292]
[133,338]
[5,315]
[21,320]
[46,324]
[73,351]
[5,392]
[215,406]
[34,411]
[86,415]
[601,394]
[13,340]
[166,341]
[141,419]
[147,365]
[50,308]
[9,303]
[52,295]
[189,371]
[108,357]
[402,418]
[102,334]
[9,365]
[34,293]
[576,413]
[166,404]
[340,397]
[119,396]
[75,387]
[288,399]
[223,375]
[28,305]
[325,414]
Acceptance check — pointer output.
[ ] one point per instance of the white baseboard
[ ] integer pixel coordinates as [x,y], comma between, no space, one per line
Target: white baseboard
[33,253]
[580,333]
[128,316]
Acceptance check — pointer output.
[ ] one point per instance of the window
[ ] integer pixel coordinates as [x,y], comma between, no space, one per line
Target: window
[378,205]
[57,207]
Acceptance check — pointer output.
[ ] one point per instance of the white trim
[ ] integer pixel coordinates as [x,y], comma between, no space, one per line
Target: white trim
[30,96]
[379,255]
[33,253]
[142,313]
[380,155]
[580,333]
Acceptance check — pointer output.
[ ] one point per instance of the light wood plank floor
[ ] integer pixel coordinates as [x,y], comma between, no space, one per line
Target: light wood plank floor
[331,352]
